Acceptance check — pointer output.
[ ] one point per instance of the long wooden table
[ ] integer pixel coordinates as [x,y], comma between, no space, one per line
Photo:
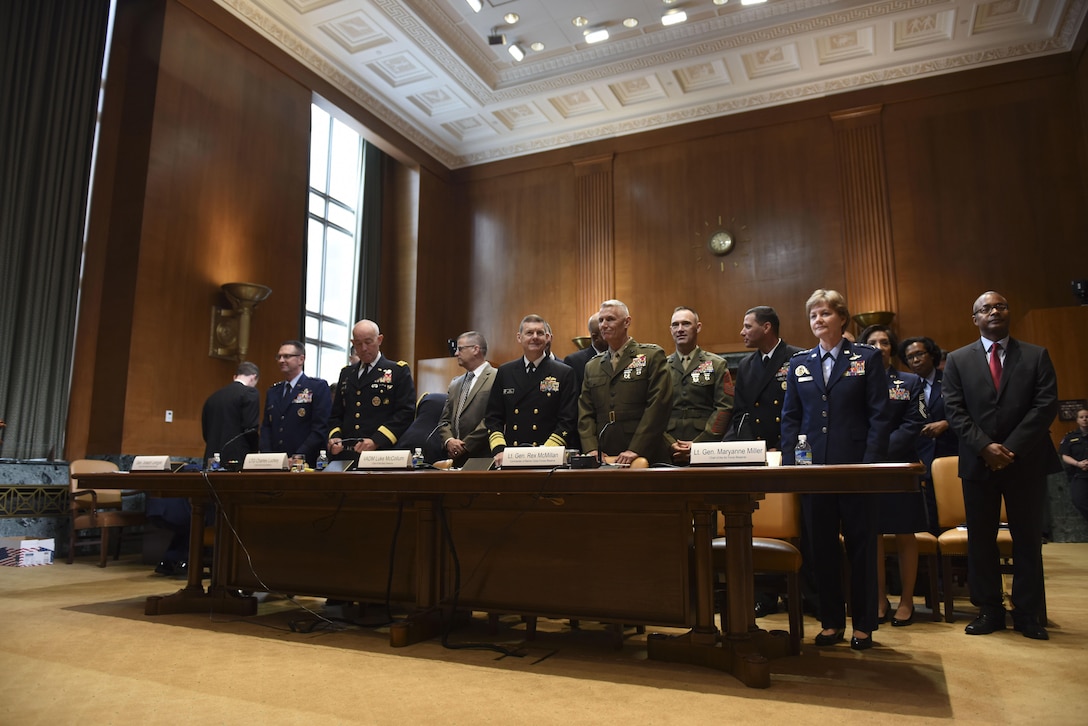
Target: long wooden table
[614,545]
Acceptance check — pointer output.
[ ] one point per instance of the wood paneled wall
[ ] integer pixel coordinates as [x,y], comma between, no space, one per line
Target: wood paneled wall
[202,180]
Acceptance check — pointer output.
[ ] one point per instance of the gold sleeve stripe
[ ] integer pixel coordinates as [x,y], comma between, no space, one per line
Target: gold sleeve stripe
[387,434]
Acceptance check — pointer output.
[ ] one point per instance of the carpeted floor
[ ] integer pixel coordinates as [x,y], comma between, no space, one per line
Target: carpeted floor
[75,647]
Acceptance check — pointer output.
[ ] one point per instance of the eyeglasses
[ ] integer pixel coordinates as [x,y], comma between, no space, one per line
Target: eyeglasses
[987,309]
[917,354]
[462,347]
[285,356]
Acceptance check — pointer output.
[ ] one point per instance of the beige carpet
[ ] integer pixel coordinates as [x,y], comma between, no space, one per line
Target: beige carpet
[76,648]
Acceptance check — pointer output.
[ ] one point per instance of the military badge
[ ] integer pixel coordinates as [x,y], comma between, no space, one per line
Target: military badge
[387,376]
[637,365]
[705,369]
[302,413]
[376,401]
[897,392]
[857,367]
[305,396]
[549,385]
[801,370]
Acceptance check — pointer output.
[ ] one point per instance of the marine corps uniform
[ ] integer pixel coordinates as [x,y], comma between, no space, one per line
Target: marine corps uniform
[702,403]
[537,409]
[627,407]
[380,405]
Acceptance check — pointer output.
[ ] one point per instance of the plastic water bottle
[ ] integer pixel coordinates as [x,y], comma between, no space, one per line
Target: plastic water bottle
[417,458]
[217,464]
[802,453]
[322,461]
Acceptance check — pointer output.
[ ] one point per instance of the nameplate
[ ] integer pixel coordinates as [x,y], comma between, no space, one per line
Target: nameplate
[394,459]
[540,457]
[726,453]
[151,463]
[265,462]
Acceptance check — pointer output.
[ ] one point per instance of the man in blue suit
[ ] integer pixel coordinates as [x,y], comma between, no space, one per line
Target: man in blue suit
[1001,395]
[296,409]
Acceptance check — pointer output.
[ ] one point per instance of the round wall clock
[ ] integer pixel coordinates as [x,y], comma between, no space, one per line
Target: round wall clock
[720,243]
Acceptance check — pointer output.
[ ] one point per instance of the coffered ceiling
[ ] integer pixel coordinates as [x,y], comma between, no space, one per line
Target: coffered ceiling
[431,70]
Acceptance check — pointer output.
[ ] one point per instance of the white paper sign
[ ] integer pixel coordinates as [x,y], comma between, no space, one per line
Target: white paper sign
[541,457]
[394,459]
[151,463]
[729,452]
[265,462]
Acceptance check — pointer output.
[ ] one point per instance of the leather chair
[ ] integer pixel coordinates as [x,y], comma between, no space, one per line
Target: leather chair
[776,527]
[952,541]
[99,509]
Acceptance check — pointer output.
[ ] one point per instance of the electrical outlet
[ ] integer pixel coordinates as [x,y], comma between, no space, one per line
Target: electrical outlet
[169,416]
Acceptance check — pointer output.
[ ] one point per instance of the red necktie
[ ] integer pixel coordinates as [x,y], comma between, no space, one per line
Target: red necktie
[995,364]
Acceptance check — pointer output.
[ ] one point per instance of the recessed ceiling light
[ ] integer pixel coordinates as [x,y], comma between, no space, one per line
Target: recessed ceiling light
[516,51]
[476,5]
[537,46]
[580,21]
[673,17]
[752,2]
[720,2]
[630,22]
[596,36]
[511,18]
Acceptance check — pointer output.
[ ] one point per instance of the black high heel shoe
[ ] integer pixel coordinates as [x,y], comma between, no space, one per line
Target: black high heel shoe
[897,623]
[830,639]
[881,619]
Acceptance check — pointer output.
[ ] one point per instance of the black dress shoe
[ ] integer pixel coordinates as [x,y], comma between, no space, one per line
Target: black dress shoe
[897,623]
[766,607]
[986,622]
[857,643]
[1030,628]
[166,567]
[836,637]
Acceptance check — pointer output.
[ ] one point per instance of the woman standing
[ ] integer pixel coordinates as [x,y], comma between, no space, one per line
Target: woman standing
[837,396]
[901,513]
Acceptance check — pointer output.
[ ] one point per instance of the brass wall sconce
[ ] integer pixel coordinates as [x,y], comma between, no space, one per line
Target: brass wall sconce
[230,326]
[877,317]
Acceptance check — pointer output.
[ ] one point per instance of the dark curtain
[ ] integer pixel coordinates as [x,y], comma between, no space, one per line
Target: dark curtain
[50,74]
[370,233]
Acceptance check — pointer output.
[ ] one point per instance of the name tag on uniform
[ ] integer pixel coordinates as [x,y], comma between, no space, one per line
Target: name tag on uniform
[540,457]
[729,453]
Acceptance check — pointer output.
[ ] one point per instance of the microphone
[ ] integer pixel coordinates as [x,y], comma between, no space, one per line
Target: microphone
[232,439]
[740,427]
[600,448]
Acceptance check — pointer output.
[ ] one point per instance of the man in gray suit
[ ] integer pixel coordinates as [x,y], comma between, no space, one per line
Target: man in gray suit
[461,428]
[1000,396]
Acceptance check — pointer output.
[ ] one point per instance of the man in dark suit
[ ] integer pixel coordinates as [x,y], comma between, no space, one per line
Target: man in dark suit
[375,398]
[231,416]
[761,379]
[1001,395]
[296,409]
[626,398]
[461,427]
[702,389]
[577,360]
[937,439]
[533,399]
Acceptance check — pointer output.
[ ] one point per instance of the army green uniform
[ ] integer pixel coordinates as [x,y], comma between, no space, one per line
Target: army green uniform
[632,399]
[702,398]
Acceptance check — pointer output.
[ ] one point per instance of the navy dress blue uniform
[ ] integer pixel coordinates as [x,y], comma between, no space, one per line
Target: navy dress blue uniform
[1018,416]
[379,405]
[846,422]
[536,409]
[904,512]
[577,361]
[295,422]
[758,395]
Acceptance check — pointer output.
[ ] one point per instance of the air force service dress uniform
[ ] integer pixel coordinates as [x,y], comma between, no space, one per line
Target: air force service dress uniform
[531,409]
[846,422]
[702,403]
[378,405]
[627,406]
[295,421]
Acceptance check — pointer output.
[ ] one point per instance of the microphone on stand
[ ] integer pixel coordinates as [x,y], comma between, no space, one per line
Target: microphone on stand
[740,426]
[223,447]
[600,447]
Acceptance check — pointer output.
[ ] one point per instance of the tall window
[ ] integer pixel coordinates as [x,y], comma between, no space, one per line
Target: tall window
[332,256]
